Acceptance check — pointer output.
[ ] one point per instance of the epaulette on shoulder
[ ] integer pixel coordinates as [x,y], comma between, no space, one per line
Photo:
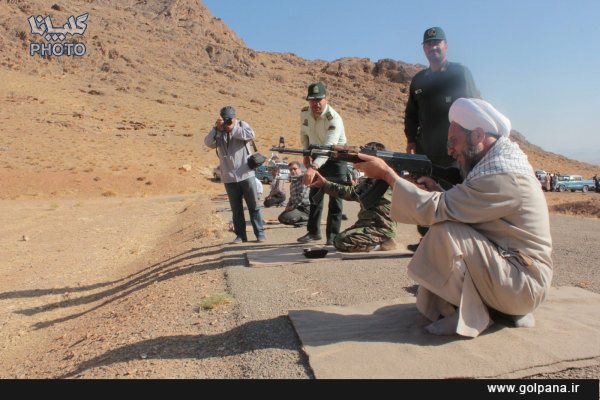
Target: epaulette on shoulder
[304,109]
[329,116]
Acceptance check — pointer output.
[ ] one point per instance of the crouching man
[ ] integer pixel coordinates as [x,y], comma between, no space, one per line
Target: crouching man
[489,246]
[375,229]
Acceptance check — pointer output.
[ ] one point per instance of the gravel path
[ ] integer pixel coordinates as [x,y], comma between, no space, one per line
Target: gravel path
[265,295]
[91,294]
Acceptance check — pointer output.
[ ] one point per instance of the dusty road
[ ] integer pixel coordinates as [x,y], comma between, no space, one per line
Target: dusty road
[114,288]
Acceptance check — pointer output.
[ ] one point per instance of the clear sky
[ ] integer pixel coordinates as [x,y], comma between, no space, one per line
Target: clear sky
[534,60]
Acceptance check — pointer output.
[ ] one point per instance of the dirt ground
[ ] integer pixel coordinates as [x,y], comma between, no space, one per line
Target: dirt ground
[80,279]
[116,288]
[111,257]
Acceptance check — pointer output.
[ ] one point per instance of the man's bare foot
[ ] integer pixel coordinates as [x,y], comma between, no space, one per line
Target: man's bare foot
[519,321]
[445,326]
[524,321]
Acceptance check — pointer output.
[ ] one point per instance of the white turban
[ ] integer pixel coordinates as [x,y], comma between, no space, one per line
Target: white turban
[476,113]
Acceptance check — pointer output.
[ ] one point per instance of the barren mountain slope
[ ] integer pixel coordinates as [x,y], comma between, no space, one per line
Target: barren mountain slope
[123,119]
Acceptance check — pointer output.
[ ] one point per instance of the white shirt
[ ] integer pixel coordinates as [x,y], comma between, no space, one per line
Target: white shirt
[327,130]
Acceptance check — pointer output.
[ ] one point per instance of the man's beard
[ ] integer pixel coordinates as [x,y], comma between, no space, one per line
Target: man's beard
[471,156]
[435,57]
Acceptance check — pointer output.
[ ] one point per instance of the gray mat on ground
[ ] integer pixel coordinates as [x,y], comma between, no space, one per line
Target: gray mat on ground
[387,340]
[398,253]
[286,254]
[293,254]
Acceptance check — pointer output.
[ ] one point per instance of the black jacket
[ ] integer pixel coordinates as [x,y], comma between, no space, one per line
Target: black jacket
[426,117]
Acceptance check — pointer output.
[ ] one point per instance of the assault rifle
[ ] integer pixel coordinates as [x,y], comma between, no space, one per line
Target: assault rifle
[415,165]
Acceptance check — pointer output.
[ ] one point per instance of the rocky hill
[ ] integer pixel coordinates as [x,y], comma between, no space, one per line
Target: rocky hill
[124,118]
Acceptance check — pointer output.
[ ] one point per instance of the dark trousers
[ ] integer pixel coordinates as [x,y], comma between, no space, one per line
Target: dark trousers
[237,192]
[333,171]
[275,200]
[294,217]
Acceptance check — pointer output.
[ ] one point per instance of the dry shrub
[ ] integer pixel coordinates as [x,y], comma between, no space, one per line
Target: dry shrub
[216,300]
[214,226]
[109,193]
[586,208]
[584,284]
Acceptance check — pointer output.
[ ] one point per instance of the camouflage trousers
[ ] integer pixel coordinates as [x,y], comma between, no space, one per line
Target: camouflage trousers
[361,239]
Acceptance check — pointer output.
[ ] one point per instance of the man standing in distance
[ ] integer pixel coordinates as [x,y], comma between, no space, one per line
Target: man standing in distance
[432,92]
[230,137]
[321,124]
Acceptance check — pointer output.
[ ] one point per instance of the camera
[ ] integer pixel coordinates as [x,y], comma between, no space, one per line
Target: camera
[227,121]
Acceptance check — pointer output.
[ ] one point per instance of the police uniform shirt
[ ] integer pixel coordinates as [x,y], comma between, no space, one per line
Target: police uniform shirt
[327,130]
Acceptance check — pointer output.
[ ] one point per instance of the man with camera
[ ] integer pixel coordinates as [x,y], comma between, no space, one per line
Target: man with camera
[321,124]
[230,138]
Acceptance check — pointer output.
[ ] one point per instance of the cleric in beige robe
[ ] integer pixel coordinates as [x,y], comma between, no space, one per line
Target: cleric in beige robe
[489,243]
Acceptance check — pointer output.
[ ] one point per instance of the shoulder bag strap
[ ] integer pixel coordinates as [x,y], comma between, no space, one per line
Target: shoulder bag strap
[254,146]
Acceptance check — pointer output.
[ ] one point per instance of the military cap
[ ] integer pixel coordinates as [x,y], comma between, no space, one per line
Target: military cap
[435,33]
[316,91]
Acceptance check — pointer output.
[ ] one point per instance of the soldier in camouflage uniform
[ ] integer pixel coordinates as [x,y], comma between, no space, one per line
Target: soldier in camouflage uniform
[374,230]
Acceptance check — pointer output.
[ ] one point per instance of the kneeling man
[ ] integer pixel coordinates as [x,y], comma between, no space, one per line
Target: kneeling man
[375,229]
[489,246]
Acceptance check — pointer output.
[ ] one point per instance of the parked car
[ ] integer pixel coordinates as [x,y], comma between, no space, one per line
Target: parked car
[264,174]
[284,171]
[573,183]
[355,175]
[540,174]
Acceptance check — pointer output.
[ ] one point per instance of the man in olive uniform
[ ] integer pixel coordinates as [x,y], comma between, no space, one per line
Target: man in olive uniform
[432,92]
[374,229]
[321,124]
